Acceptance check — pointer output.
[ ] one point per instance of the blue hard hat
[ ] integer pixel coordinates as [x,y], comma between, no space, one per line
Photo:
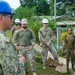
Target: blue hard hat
[5,8]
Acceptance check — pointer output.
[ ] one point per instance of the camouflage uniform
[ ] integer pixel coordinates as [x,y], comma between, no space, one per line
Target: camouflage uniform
[9,63]
[70,40]
[26,38]
[13,30]
[45,35]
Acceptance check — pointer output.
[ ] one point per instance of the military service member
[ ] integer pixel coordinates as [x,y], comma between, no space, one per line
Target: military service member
[45,36]
[69,44]
[10,62]
[26,40]
[16,26]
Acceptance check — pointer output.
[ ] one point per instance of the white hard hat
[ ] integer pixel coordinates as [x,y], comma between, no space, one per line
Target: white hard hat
[25,21]
[17,20]
[45,21]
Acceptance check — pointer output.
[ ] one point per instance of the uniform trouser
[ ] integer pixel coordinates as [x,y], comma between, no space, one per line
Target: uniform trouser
[45,50]
[29,54]
[19,70]
[22,69]
[69,55]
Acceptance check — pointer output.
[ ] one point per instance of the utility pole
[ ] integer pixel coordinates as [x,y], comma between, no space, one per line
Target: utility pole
[58,29]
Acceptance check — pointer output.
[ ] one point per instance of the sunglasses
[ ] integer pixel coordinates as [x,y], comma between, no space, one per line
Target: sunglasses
[18,24]
[10,16]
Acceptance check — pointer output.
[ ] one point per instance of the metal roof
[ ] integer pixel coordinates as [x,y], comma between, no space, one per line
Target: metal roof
[66,23]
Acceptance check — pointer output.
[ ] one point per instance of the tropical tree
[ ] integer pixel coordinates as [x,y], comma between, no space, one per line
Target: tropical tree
[42,8]
[29,3]
[24,12]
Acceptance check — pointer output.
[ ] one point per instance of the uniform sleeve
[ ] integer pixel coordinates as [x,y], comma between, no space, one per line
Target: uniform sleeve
[74,38]
[12,30]
[41,37]
[33,40]
[51,35]
[15,37]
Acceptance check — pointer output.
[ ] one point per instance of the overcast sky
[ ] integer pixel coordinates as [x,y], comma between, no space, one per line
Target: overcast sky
[13,3]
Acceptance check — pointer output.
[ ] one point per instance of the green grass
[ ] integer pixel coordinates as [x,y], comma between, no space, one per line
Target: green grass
[48,71]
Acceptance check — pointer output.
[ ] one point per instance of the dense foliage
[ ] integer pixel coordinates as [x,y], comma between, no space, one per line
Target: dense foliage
[42,8]
[29,3]
[46,7]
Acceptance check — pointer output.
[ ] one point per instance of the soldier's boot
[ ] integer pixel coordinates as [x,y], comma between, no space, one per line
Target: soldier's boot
[27,71]
[34,73]
[68,67]
[73,67]
[56,64]
[44,67]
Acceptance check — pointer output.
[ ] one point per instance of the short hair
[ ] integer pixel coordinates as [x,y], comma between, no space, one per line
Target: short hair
[69,28]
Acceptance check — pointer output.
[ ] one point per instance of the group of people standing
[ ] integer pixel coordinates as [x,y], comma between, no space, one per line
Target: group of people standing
[13,56]
[24,40]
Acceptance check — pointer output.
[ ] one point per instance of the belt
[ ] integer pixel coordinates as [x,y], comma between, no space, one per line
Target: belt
[24,45]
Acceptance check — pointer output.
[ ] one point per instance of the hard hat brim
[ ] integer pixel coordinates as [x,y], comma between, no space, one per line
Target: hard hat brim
[7,13]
